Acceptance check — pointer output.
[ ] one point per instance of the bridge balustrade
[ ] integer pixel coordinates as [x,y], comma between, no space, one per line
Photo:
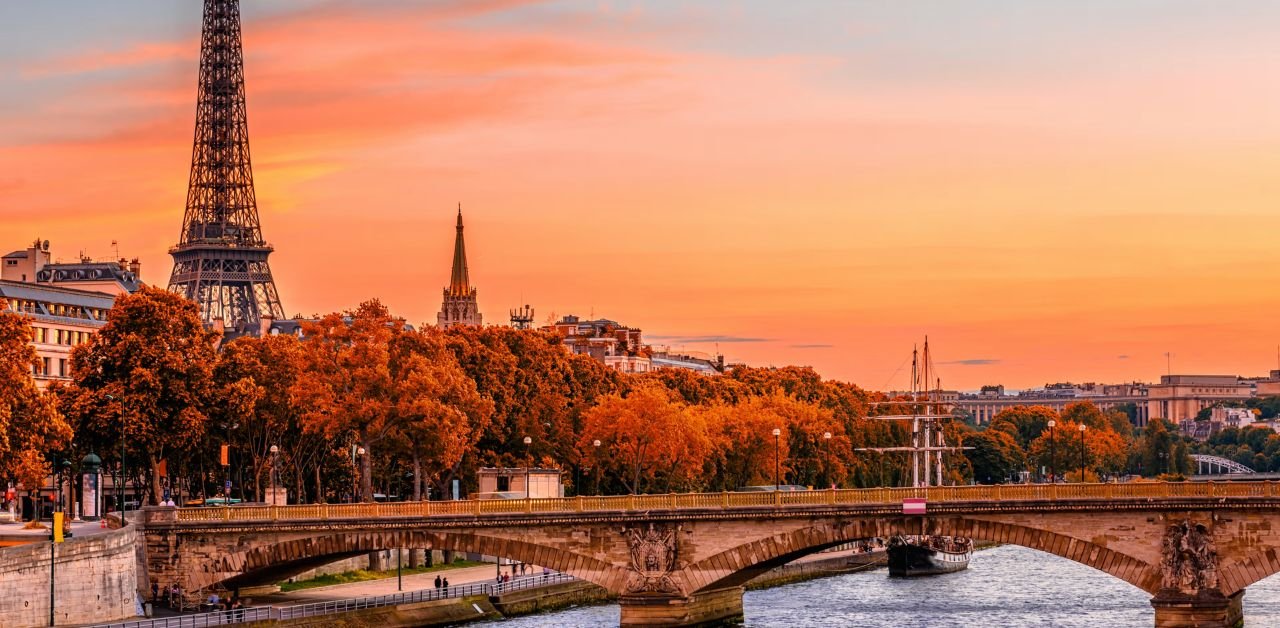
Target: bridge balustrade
[726,500]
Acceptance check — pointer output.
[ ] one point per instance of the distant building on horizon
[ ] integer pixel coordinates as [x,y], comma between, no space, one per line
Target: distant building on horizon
[622,348]
[36,265]
[65,303]
[459,307]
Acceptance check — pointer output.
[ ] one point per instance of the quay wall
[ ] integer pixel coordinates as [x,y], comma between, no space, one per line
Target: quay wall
[95,579]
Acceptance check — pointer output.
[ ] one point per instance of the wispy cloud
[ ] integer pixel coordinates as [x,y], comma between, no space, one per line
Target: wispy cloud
[812,346]
[1122,357]
[973,362]
[708,339]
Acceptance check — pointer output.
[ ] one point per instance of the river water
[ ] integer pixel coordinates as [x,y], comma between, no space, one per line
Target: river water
[1007,586]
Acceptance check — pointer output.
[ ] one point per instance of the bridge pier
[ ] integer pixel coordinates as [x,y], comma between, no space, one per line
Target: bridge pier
[721,607]
[1209,609]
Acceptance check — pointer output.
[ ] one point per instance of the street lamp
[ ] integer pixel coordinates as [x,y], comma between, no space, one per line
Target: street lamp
[275,459]
[826,455]
[596,444]
[528,461]
[777,482]
[1083,427]
[123,474]
[359,471]
[1053,453]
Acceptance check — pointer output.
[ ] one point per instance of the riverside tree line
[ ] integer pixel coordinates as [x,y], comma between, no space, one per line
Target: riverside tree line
[364,404]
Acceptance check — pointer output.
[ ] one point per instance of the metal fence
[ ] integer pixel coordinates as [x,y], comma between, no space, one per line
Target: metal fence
[334,607]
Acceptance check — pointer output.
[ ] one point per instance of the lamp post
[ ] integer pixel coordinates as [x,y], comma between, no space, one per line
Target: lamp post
[528,442]
[359,471]
[1083,427]
[123,474]
[826,457]
[1053,453]
[596,445]
[777,481]
[275,459]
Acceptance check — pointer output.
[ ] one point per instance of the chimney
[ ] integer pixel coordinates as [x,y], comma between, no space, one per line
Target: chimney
[135,267]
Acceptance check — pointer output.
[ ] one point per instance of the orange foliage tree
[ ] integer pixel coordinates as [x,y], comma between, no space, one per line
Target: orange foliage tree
[145,379]
[348,385]
[650,440]
[31,427]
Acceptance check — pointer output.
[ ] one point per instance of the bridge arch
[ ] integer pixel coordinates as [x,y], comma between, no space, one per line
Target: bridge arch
[280,559]
[1206,464]
[1234,575]
[736,566]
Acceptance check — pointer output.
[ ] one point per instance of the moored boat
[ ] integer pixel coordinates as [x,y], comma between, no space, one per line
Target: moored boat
[928,555]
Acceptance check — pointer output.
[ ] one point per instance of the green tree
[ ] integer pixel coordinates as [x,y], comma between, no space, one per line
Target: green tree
[1023,423]
[995,456]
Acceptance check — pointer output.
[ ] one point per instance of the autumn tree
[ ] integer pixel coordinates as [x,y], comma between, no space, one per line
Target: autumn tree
[346,389]
[254,379]
[650,439]
[1061,449]
[443,414]
[31,427]
[145,379]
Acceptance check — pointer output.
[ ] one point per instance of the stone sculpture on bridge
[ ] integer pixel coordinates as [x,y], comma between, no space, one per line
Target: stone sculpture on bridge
[654,554]
[1190,559]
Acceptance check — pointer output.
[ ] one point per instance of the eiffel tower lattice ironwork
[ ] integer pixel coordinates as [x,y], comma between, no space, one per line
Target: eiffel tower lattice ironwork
[220,261]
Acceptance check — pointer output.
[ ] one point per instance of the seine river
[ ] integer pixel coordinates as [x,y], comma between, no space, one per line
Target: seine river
[1006,586]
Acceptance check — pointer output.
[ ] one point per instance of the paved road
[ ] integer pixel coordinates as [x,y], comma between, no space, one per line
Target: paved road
[15,531]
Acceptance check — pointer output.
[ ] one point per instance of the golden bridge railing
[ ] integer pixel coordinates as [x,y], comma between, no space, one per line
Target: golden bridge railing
[725,500]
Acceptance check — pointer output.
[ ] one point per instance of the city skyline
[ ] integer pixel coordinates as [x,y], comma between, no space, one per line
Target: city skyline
[897,178]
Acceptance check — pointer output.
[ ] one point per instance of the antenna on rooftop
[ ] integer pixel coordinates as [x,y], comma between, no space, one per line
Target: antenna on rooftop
[522,318]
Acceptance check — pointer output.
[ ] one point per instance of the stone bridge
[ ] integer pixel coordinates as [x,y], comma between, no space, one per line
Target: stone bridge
[682,560]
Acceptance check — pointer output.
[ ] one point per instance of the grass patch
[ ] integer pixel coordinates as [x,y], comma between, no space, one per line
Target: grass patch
[364,575]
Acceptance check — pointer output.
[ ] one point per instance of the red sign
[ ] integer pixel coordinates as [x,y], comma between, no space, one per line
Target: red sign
[913,506]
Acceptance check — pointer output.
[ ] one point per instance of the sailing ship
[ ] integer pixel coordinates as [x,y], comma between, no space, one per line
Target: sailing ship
[925,554]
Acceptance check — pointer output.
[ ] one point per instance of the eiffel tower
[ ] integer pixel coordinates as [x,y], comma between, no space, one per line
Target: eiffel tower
[220,261]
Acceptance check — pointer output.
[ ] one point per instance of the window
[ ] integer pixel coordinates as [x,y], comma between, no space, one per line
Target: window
[504,483]
[62,368]
[11,262]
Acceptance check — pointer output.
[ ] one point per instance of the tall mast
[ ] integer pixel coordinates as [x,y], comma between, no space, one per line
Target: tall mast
[915,419]
[928,413]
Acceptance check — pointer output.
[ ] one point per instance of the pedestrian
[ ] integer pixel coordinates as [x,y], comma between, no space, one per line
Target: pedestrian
[446,586]
[437,582]
[155,592]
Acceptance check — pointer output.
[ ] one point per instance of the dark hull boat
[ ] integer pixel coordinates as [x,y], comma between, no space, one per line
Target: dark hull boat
[928,556]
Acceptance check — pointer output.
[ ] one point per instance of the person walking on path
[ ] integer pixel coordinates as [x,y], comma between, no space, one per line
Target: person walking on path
[437,582]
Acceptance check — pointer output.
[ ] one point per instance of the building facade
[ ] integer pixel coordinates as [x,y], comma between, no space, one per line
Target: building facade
[59,319]
[459,306]
[35,265]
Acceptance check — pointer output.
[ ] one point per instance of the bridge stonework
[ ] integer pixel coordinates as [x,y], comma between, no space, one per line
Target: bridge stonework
[687,566]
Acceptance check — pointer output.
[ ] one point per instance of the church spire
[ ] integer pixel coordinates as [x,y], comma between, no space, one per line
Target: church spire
[459,306]
[459,282]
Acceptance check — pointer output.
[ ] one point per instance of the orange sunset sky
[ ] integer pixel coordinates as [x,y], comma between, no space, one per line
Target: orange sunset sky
[1053,191]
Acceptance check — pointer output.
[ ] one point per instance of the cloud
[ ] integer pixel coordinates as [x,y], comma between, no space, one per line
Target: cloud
[709,339]
[812,346]
[1122,357]
[973,362]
